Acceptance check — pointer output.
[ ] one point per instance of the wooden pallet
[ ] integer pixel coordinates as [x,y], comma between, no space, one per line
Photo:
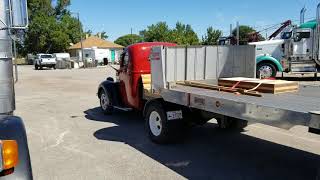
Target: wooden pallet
[263,86]
[209,86]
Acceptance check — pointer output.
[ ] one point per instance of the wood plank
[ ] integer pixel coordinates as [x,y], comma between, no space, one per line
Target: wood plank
[219,88]
[264,86]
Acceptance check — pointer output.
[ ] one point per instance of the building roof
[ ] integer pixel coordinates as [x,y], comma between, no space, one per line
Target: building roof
[94,41]
[310,24]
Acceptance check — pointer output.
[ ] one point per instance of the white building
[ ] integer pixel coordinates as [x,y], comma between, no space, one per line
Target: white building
[97,49]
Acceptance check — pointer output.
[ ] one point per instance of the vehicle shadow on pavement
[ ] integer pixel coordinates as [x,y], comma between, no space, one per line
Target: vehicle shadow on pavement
[210,153]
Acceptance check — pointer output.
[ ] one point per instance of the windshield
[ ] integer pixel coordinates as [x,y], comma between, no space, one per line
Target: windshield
[46,56]
[286,35]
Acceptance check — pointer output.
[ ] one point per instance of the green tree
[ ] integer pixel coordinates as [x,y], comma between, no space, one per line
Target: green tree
[157,32]
[211,37]
[184,35]
[71,27]
[102,35]
[128,39]
[51,28]
[38,8]
[61,7]
[245,32]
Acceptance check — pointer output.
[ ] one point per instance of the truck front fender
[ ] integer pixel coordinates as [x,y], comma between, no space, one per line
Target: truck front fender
[272,60]
[12,128]
[112,88]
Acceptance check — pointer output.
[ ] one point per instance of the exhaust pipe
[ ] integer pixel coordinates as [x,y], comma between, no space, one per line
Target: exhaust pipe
[302,15]
[318,14]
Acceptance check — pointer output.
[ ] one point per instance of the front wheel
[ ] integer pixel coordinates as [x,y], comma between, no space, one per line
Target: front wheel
[36,67]
[105,102]
[266,70]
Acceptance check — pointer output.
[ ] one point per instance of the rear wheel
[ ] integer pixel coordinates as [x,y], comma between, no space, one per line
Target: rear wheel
[266,70]
[105,102]
[159,128]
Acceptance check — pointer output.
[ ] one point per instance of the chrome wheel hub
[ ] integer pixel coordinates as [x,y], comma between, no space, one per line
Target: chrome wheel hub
[265,72]
[155,123]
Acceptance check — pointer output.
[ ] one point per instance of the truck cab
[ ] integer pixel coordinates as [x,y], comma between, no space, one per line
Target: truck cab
[127,90]
[301,51]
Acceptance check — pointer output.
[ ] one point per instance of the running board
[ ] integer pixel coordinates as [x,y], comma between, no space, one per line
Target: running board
[123,109]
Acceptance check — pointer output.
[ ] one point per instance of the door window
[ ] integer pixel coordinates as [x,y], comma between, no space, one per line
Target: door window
[126,58]
[301,35]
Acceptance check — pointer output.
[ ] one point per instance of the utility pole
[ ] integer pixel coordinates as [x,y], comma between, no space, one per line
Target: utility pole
[131,36]
[238,33]
[81,40]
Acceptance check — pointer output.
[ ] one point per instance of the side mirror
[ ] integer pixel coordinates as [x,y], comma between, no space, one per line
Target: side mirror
[105,61]
[19,13]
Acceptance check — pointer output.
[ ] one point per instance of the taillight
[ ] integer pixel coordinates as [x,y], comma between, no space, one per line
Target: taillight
[9,154]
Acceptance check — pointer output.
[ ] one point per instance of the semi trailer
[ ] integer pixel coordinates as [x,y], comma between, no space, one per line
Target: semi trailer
[149,81]
[14,151]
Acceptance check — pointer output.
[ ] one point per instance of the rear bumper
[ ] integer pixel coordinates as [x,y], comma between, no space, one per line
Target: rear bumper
[12,128]
[48,63]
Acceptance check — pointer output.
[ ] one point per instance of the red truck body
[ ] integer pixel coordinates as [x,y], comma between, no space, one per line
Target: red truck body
[135,63]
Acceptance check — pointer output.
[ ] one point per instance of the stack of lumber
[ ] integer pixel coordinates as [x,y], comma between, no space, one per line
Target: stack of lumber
[146,81]
[262,86]
[206,85]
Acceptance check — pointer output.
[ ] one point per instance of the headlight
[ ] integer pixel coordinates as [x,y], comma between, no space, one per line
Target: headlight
[9,155]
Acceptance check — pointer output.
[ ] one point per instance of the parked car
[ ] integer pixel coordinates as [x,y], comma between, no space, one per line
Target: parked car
[45,60]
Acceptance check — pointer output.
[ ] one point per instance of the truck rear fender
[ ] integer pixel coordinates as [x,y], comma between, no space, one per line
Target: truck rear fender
[270,59]
[113,89]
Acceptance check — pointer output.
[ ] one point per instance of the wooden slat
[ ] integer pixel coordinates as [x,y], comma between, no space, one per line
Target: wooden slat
[219,88]
[266,86]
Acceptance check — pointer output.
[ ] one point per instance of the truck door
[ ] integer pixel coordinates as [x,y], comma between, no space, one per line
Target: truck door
[302,46]
[125,77]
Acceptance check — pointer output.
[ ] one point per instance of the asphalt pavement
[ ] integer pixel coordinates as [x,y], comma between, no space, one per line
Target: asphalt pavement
[70,138]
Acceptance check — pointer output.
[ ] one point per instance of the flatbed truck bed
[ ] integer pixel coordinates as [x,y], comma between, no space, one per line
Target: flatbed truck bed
[283,110]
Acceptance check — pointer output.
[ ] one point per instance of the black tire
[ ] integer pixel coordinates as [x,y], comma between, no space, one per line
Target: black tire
[36,67]
[54,67]
[270,66]
[168,131]
[40,67]
[106,107]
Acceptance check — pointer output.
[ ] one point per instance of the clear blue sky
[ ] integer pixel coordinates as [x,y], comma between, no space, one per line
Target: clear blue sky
[117,17]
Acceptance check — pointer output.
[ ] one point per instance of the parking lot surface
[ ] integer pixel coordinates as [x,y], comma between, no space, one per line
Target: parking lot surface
[70,138]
